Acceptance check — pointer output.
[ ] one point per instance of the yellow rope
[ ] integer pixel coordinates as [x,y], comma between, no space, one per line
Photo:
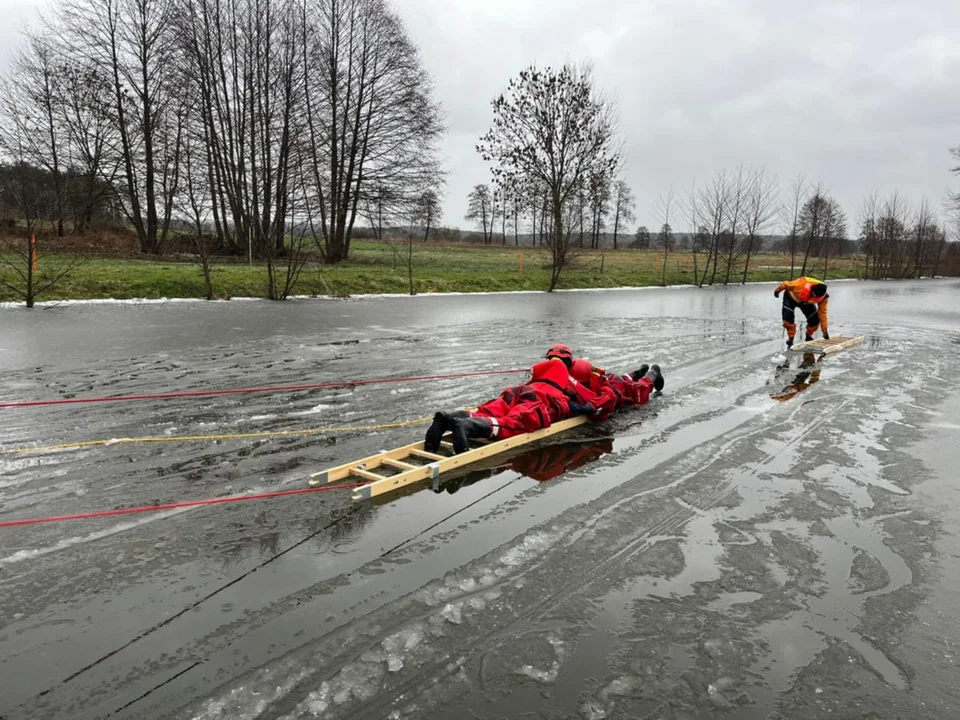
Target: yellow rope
[198,438]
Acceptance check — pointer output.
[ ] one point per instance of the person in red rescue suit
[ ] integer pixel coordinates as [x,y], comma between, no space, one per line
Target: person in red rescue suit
[551,394]
[810,295]
[630,389]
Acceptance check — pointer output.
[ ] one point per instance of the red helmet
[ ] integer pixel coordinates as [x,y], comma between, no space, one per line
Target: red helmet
[581,370]
[561,352]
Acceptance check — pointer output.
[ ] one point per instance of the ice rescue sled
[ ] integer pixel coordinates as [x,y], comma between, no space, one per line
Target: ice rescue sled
[835,343]
[393,469]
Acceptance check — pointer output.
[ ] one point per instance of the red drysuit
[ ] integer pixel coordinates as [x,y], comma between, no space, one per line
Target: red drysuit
[548,463]
[624,389]
[538,403]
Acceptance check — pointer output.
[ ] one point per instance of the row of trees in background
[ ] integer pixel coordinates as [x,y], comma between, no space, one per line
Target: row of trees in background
[265,124]
[600,208]
[735,216]
[268,127]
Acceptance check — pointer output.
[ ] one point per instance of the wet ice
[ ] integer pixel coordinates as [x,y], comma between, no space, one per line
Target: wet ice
[732,555]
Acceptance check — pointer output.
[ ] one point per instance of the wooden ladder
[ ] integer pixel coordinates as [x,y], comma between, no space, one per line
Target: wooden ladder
[393,469]
[837,342]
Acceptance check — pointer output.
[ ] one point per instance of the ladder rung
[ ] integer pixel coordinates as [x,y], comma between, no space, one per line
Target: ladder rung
[367,475]
[398,464]
[427,455]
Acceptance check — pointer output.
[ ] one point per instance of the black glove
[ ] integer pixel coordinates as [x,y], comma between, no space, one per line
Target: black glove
[776,293]
[578,409]
[826,335]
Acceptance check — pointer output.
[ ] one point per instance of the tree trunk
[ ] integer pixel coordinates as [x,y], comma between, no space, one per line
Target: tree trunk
[559,249]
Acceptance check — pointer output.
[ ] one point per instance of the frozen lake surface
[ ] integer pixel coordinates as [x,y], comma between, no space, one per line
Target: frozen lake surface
[734,549]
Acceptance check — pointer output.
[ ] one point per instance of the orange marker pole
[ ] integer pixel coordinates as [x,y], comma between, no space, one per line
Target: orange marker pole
[33,251]
[521,263]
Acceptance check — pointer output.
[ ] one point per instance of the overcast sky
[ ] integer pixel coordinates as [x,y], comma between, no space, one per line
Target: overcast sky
[860,94]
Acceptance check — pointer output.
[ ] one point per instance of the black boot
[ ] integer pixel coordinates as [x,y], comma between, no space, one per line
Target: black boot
[466,429]
[656,376]
[640,372]
[442,422]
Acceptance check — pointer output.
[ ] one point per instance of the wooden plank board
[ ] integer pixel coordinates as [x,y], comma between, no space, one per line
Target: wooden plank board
[837,342]
[437,468]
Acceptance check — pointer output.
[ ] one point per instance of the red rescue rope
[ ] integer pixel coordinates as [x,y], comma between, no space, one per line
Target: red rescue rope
[277,388]
[174,506]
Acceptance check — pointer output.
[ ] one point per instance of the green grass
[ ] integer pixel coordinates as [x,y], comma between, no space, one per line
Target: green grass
[374,268]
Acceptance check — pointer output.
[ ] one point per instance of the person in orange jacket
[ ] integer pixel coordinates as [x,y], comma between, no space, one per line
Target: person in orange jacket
[810,295]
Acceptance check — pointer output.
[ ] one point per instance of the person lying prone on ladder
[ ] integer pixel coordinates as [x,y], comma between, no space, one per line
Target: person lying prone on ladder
[549,396]
[810,295]
[630,389]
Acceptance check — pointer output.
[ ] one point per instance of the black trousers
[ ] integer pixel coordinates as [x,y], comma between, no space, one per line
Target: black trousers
[809,309]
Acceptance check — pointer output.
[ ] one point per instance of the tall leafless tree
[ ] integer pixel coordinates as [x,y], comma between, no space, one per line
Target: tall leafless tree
[371,118]
[131,42]
[665,208]
[761,210]
[712,204]
[552,127]
[822,226]
[428,212]
[480,210]
[791,216]
[30,130]
[598,193]
[624,204]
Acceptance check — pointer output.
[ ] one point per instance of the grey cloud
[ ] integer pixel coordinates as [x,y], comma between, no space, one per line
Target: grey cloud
[860,95]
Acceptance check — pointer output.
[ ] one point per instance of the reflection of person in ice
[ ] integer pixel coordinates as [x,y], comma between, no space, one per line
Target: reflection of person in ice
[541,464]
[808,375]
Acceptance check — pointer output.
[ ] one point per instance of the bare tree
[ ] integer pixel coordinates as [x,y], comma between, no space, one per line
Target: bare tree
[518,206]
[869,235]
[760,212]
[736,209]
[923,236]
[552,127]
[194,203]
[30,131]
[480,210]
[501,206]
[791,214]
[131,43]
[898,242]
[428,211]
[371,117]
[641,239]
[624,204]
[712,202]
[665,207]
[822,224]
[598,190]
[92,141]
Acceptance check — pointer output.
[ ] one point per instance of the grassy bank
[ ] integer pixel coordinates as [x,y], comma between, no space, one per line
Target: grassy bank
[375,268]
